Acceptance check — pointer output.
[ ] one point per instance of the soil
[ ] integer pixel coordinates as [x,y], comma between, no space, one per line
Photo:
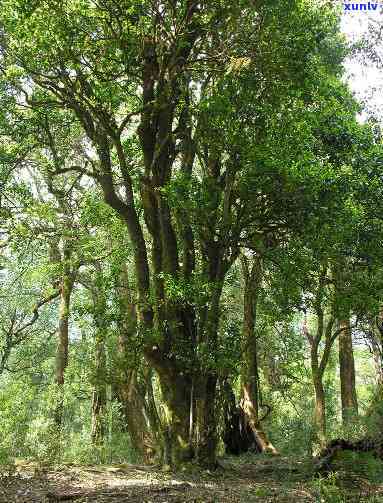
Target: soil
[261,478]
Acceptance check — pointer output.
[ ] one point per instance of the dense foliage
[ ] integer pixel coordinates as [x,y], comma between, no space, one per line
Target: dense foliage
[191,228]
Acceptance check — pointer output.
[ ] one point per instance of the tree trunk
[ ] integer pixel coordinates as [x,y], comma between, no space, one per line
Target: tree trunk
[99,393]
[376,341]
[98,417]
[63,342]
[237,435]
[152,410]
[320,408]
[176,394]
[130,391]
[319,359]
[205,383]
[100,379]
[249,371]
[206,434]
[347,372]
[132,397]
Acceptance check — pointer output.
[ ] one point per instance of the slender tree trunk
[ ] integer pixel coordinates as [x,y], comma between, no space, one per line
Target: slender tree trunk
[320,357]
[249,371]
[376,340]
[63,342]
[347,372]
[152,409]
[98,417]
[377,354]
[320,408]
[99,397]
[130,391]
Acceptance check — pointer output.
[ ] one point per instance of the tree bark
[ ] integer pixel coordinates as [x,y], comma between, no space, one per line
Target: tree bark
[99,397]
[205,380]
[132,396]
[237,435]
[98,417]
[63,340]
[319,359]
[347,372]
[206,423]
[130,388]
[376,342]
[252,275]
[176,394]
[320,408]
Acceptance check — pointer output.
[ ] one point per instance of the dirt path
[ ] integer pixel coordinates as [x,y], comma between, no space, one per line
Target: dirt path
[268,480]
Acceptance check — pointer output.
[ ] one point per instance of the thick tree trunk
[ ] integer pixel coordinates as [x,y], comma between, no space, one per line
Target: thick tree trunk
[132,397]
[206,423]
[347,372]
[249,371]
[176,394]
[237,435]
[205,382]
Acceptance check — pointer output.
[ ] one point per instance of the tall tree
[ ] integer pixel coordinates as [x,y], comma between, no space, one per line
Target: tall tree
[185,108]
[252,276]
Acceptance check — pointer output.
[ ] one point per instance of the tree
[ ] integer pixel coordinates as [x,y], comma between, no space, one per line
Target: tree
[198,127]
[252,274]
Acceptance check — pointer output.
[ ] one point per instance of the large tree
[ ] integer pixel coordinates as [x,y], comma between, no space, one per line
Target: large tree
[197,125]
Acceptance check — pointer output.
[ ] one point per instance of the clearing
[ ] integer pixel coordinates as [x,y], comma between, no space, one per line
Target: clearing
[257,478]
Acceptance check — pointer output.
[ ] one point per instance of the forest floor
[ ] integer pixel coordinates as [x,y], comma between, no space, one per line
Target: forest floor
[256,478]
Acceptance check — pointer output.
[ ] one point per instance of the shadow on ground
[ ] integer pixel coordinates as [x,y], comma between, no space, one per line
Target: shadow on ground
[265,479]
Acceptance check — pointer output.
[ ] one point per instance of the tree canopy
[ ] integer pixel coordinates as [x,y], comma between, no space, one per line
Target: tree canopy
[190,220]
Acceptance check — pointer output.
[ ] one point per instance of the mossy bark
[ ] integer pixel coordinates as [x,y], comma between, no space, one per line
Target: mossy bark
[131,386]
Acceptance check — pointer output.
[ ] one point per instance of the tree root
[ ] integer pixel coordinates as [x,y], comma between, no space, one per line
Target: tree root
[367,444]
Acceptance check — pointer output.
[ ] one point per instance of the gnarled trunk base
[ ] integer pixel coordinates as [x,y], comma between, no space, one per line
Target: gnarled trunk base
[328,454]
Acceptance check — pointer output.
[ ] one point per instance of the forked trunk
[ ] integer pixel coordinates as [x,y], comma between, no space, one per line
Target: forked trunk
[237,435]
[252,419]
